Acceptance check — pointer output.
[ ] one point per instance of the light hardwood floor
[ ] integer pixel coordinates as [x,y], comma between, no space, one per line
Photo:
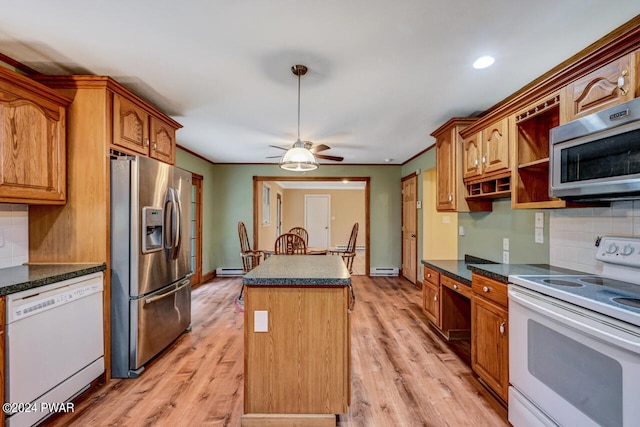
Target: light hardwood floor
[403,374]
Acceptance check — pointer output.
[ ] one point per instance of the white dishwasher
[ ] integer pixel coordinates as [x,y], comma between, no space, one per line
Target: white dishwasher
[55,345]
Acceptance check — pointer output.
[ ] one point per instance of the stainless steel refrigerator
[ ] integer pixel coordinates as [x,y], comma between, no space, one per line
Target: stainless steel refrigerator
[150,260]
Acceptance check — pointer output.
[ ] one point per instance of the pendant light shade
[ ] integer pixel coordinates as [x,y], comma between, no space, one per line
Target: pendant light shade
[299,158]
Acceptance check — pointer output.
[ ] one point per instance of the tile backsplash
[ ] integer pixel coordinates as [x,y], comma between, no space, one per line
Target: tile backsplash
[573,232]
[14,234]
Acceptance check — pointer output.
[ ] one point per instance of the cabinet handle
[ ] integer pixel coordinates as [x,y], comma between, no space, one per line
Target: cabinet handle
[502,325]
[455,286]
[429,275]
[475,162]
[147,142]
[484,159]
[485,289]
[451,197]
[155,146]
[435,298]
[621,82]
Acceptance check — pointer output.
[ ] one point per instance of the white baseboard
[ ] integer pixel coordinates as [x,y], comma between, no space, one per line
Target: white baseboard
[384,271]
[225,272]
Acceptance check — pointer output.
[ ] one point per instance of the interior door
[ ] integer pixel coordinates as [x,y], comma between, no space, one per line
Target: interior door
[410,228]
[317,219]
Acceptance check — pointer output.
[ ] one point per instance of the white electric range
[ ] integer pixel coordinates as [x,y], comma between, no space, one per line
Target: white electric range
[574,343]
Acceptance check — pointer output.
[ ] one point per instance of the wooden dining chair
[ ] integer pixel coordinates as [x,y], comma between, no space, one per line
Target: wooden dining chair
[290,244]
[250,258]
[302,232]
[350,252]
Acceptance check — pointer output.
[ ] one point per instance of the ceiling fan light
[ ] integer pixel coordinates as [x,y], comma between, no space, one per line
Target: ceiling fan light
[298,159]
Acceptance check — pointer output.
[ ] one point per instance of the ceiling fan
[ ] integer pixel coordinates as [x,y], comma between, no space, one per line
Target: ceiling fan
[301,70]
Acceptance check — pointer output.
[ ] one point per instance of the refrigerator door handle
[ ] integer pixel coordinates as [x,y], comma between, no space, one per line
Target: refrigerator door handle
[171,292]
[177,237]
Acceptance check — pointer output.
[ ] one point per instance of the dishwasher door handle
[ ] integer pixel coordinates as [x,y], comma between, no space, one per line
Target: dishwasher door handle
[171,292]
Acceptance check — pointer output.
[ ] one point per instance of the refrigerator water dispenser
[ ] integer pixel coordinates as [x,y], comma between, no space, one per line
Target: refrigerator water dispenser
[152,226]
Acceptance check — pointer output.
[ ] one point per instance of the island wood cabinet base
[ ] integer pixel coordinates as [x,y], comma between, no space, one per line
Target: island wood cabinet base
[297,355]
[288,420]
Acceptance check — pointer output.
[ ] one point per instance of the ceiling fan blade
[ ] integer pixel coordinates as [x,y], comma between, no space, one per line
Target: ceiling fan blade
[334,158]
[318,148]
[281,148]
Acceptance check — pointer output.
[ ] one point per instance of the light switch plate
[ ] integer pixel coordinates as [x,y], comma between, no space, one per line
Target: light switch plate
[1,238]
[260,321]
[505,243]
[446,219]
[539,219]
[539,238]
[505,257]
[419,204]
[461,231]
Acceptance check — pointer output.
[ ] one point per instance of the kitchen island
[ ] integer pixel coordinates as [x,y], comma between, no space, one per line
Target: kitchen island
[297,341]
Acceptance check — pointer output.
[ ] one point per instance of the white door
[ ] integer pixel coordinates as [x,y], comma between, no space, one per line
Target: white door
[317,211]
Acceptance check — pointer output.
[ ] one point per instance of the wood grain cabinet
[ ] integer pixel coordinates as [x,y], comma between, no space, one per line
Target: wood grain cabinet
[605,87]
[431,295]
[32,141]
[451,191]
[490,334]
[136,129]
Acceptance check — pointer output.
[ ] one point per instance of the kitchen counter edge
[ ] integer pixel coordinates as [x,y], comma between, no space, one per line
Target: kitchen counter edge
[28,276]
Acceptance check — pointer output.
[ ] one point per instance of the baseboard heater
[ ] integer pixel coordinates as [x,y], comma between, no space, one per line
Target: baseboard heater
[384,271]
[226,272]
[344,247]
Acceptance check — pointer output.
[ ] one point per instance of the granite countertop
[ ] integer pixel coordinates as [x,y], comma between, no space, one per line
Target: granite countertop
[455,269]
[28,276]
[299,270]
[501,272]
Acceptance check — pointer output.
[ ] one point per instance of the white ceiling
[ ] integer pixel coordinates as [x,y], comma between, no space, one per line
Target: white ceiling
[382,74]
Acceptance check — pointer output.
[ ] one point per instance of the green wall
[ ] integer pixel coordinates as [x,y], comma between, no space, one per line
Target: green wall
[228,198]
[484,232]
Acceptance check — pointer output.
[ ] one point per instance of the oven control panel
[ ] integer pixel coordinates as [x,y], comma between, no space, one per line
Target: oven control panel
[619,250]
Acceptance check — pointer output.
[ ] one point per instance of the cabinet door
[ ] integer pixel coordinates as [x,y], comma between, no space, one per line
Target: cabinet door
[163,141]
[32,151]
[600,89]
[472,156]
[495,147]
[490,345]
[431,302]
[445,172]
[130,125]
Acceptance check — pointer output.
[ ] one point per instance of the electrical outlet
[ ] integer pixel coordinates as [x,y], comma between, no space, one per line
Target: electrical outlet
[260,321]
[461,231]
[539,235]
[446,219]
[505,243]
[539,219]
[505,257]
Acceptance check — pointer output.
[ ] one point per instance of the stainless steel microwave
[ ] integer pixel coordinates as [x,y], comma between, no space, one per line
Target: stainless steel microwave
[597,157]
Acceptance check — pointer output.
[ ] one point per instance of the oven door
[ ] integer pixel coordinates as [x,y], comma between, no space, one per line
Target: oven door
[569,365]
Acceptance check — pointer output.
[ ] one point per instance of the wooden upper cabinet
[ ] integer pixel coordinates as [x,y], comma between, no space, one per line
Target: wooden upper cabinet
[472,156]
[32,141]
[449,177]
[495,147]
[163,141]
[130,125]
[605,87]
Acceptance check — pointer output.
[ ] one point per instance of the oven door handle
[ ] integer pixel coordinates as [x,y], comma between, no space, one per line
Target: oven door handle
[606,329]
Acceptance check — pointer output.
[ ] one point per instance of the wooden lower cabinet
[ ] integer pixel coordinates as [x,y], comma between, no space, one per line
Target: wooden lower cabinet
[490,334]
[431,295]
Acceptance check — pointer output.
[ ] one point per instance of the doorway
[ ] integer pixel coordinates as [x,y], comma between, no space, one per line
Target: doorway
[410,228]
[263,238]
[196,228]
[317,219]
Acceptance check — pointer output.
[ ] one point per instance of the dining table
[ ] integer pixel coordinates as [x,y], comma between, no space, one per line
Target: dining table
[311,250]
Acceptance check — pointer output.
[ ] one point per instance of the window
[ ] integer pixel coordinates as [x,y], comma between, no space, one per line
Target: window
[266,204]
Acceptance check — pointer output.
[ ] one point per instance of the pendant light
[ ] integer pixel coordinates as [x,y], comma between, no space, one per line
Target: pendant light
[298,158]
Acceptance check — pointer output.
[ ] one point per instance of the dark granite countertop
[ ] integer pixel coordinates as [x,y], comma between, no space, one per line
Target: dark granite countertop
[28,276]
[501,272]
[455,269]
[299,270]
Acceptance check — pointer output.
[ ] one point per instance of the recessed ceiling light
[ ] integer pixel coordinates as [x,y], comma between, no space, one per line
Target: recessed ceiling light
[388,160]
[483,62]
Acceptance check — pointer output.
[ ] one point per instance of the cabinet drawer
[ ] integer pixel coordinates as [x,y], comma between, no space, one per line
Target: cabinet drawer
[431,276]
[456,286]
[490,289]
